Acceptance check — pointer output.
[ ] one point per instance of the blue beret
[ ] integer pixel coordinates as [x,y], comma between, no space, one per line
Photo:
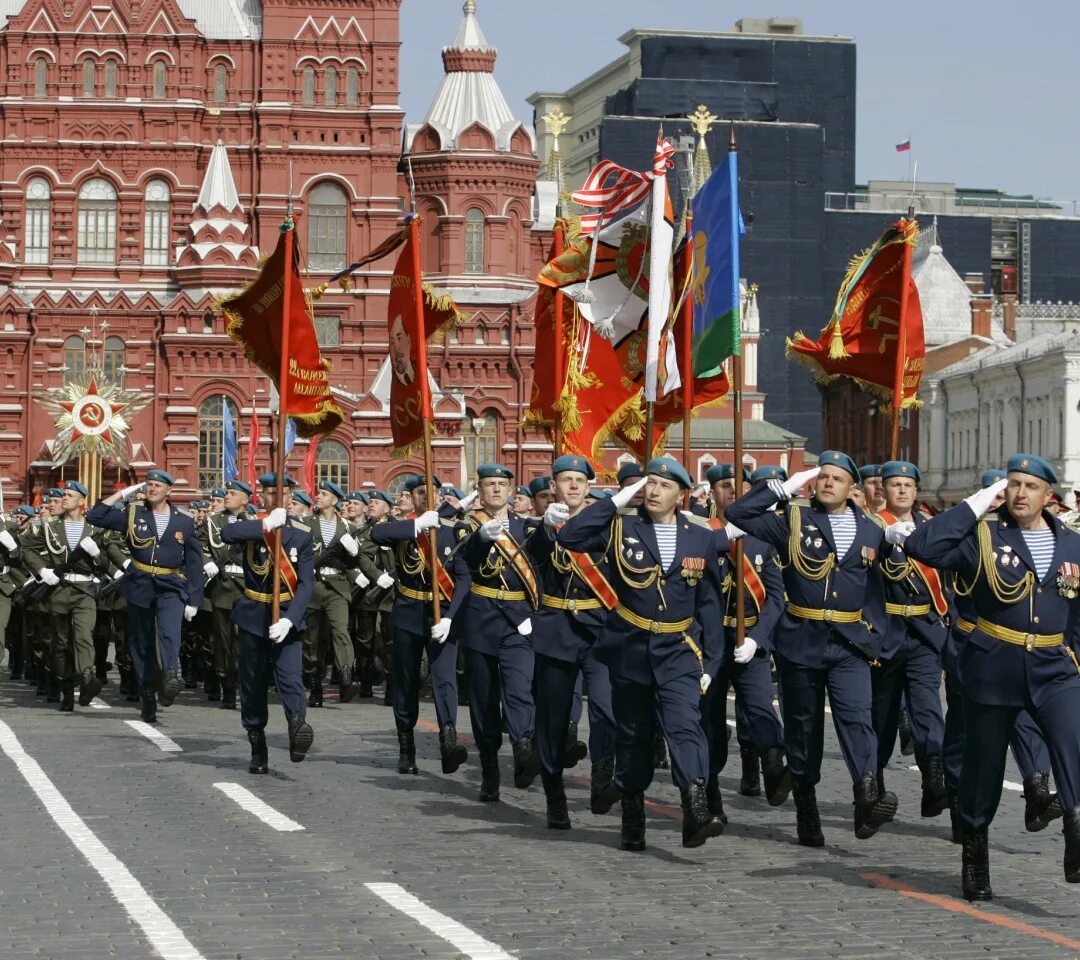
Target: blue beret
[330,487]
[834,458]
[56,492]
[251,509]
[769,473]
[599,494]
[538,485]
[629,471]
[990,477]
[384,496]
[160,476]
[303,498]
[869,470]
[724,471]
[270,480]
[522,492]
[899,468]
[569,461]
[456,492]
[218,492]
[77,487]
[239,486]
[487,471]
[418,481]
[359,495]
[670,469]
[1030,464]
[26,510]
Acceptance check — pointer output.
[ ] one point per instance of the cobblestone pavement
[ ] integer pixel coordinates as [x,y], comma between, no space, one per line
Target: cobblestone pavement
[393,867]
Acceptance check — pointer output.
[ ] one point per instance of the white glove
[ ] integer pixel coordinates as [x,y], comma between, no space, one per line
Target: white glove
[118,574]
[981,501]
[441,630]
[7,541]
[705,683]
[798,481]
[274,519]
[556,515]
[897,533]
[210,569]
[468,501]
[47,575]
[385,581]
[525,628]
[361,581]
[626,494]
[348,541]
[189,612]
[127,563]
[491,530]
[745,653]
[91,549]
[733,532]
[428,520]
[280,630]
[128,492]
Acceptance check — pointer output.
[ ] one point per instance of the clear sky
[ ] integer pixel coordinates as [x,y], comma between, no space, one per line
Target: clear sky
[986,91]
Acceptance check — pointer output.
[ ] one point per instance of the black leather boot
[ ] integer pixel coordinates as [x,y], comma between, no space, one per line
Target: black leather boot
[315,698]
[698,824]
[934,796]
[633,821]
[907,741]
[714,800]
[807,819]
[558,816]
[406,752]
[526,763]
[259,759]
[149,706]
[89,687]
[574,750]
[228,695]
[1040,805]
[975,874]
[213,688]
[1071,829]
[67,696]
[489,777]
[347,690]
[777,776]
[453,753]
[171,685]
[52,689]
[866,796]
[602,790]
[660,757]
[750,781]
[301,737]
[954,817]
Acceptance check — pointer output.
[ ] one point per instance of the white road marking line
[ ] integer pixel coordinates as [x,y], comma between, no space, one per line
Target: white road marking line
[98,704]
[165,936]
[156,737]
[471,944]
[246,800]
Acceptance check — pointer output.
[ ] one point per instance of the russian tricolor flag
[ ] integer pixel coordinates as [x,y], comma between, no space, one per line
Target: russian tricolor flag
[904,146]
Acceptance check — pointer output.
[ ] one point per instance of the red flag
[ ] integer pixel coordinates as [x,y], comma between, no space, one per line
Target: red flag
[309,466]
[256,322]
[862,338]
[253,450]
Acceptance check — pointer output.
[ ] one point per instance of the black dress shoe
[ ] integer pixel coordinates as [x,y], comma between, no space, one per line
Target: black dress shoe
[453,753]
[603,794]
[301,737]
[574,750]
[526,763]
[90,687]
[558,816]
[347,690]
[489,777]
[935,798]
[406,752]
[660,753]
[1040,805]
[776,775]
[698,823]
[807,819]
[713,799]
[975,873]
[750,781]
[149,707]
[632,834]
[171,685]
[260,761]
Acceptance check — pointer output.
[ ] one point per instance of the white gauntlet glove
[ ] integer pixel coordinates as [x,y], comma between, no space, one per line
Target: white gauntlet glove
[90,548]
[626,494]
[982,501]
[348,541]
[556,515]
[190,612]
[7,541]
[276,518]
[525,628]
[733,532]
[798,481]
[47,575]
[385,581]
[491,530]
[210,569]
[468,501]
[280,630]
[441,630]
[428,520]
[897,533]
[705,683]
[118,575]
[361,581]
[128,492]
[745,653]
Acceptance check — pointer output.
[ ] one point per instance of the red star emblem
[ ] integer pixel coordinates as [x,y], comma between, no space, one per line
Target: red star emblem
[91,413]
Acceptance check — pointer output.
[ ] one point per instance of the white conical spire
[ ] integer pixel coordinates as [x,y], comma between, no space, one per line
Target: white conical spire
[218,186]
[469,35]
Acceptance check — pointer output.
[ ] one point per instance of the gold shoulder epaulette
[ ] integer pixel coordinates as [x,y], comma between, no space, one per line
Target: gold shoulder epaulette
[873,516]
[694,518]
[297,525]
[800,501]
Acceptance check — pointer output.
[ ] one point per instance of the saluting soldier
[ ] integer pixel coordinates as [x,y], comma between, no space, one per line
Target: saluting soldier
[658,639]
[1023,569]
[163,584]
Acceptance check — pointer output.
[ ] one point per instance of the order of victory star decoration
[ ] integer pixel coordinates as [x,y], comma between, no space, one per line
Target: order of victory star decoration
[92,415]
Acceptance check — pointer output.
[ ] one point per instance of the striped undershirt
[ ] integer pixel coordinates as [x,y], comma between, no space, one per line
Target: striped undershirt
[1041,544]
[161,521]
[73,529]
[665,540]
[329,528]
[843,532]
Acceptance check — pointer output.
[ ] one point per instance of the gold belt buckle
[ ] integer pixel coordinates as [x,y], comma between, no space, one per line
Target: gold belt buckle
[1029,642]
[654,626]
[827,615]
[499,594]
[907,610]
[572,606]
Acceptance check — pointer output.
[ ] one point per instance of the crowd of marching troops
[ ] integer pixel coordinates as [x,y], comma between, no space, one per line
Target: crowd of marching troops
[533,604]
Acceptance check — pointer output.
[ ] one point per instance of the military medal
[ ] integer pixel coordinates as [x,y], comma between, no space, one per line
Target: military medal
[693,569]
[868,556]
[818,543]
[179,536]
[292,554]
[639,556]
[1004,559]
[1015,561]
[1069,580]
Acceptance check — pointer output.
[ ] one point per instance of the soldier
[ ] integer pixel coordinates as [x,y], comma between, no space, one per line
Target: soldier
[542,495]
[300,505]
[521,505]
[503,596]
[376,603]
[10,555]
[831,630]
[163,584]
[1023,570]
[872,489]
[356,511]
[217,501]
[112,611]
[266,646]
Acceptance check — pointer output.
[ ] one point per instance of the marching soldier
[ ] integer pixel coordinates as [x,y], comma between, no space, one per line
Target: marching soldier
[872,487]
[376,604]
[10,555]
[542,495]
[300,505]
[521,505]
[1023,570]
[163,584]
[658,639]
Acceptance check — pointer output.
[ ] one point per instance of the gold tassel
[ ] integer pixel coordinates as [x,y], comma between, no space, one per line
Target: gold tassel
[316,293]
[837,351]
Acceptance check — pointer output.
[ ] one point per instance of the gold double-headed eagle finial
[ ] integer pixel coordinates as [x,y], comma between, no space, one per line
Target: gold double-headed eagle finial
[702,120]
[557,121]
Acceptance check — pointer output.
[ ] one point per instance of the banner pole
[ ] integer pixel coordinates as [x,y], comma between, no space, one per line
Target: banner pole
[901,352]
[559,345]
[283,392]
[688,348]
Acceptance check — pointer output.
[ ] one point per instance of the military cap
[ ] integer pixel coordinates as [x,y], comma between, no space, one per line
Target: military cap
[868,471]
[218,492]
[488,471]
[418,481]
[769,473]
[160,476]
[1030,464]
[252,509]
[330,487]
[599,494]
[56,491]
[538,485]
[77,487]
[522,492]
[670,469]
[384,496]
[899,468]
[834,458]
[569,461]
[359,495]
[26,510]
[451,491]
[629,471]
[239,486]
[725,471]
[990,477]
[270,480]
[303,498]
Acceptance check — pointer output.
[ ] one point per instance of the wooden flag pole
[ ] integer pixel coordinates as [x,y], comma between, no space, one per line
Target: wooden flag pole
[687,310]
[560,345]
[283,392]
[901,350]
[737,425]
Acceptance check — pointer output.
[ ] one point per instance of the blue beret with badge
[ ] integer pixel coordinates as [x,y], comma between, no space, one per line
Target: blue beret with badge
[384,496]
[218,492]
[303,498]
[251,509]
[330,487]
[868,471]
[669,469]
[418,481]
[26,510]
[239,486]
[769,473]
[522,492]
[899,468]
[359,495]
[268,480]
[568,462]
[77,487]
[452,491]
[539,485]
[835,458]
[160,476]
[990,477]
[1032,465]
[56,492]
[494,471]
[724,471]
[629,471]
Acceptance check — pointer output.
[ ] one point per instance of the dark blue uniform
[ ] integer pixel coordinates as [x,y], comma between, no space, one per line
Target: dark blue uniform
[164,576]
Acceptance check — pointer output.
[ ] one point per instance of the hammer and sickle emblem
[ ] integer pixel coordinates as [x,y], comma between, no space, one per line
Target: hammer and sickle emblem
[877,318]
[91,414]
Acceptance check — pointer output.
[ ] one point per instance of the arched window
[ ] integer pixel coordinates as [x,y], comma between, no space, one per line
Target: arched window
[480,334]
[110,79]
[332,463]
[159,80]
[330,93]
[481,442]
[156,224]
[89,77]
[38,219]
[221,83]
[112,359]
[212,440]
[474,241]
[41,77]
[74,359]
[309,85]
[352,87]
[97,222]
[328,210]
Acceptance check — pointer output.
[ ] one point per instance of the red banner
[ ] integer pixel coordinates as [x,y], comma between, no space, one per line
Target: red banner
[256,319]
[862,339]
[253,451]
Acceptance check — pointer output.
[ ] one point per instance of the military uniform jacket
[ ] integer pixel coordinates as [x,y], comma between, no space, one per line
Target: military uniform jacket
[225,589]
[253,615]
[375,559]
[993,563]
[763,600]
[177,549]
[688,591]
[333,556]
[814,578]
[49,548]
[10,560]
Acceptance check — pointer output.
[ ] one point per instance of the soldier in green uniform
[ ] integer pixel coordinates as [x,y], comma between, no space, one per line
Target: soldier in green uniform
[10,554]
[377,565]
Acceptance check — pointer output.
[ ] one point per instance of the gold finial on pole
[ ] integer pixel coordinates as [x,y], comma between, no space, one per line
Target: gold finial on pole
[702,120]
